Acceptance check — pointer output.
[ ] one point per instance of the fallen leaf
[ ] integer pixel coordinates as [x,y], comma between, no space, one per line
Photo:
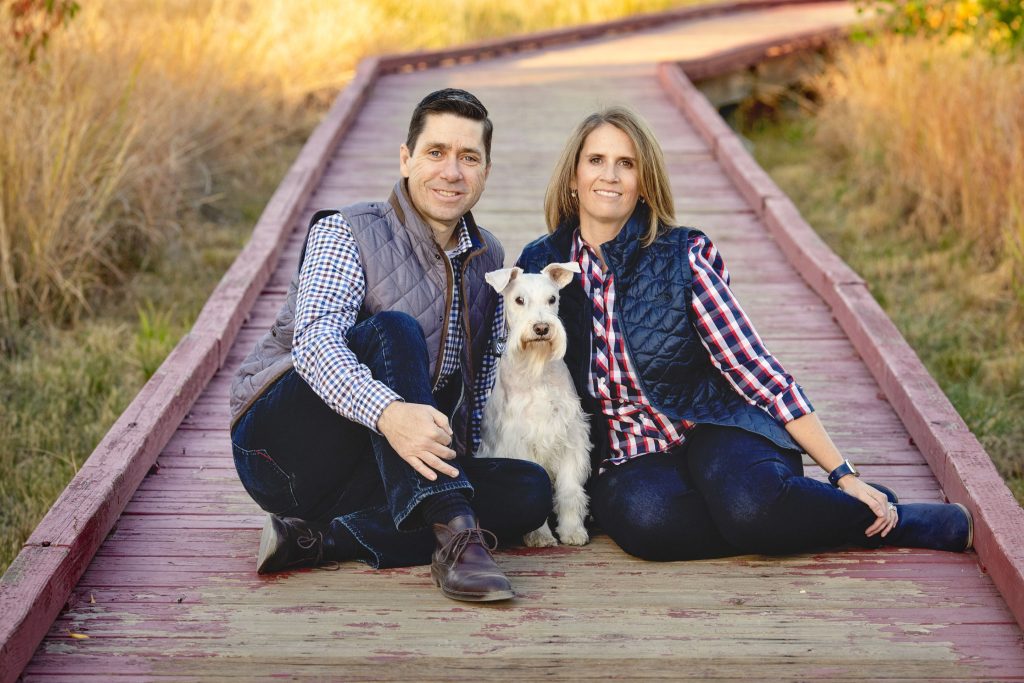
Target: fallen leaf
[92,599]
[78,636]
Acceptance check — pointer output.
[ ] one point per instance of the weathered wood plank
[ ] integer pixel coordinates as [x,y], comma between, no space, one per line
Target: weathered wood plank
[402,665]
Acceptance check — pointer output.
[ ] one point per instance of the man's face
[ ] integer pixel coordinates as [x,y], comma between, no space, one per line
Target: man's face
[447,170]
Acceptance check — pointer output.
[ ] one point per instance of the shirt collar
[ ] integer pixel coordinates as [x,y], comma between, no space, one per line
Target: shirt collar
[582,253]
[465,241]
[578,245]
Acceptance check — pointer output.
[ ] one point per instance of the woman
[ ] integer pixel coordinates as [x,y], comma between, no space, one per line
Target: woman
[697,429]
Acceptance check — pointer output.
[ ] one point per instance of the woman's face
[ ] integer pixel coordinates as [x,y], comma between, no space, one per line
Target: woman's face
[607,182]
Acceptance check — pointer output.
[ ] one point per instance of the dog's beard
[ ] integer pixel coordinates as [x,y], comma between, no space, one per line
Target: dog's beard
[547,348]
[535,345]
[534,354]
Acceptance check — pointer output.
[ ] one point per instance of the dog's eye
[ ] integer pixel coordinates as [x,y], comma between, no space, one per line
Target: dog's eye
[519,300]
[551,301]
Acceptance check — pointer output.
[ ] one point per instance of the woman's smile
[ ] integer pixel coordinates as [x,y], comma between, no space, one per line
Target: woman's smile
[607,181]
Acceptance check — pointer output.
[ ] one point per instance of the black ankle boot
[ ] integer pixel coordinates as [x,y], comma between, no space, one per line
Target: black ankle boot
[937,526]
[289,543]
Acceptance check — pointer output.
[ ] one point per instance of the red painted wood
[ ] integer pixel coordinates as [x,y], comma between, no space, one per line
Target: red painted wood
[684,95]
[34,588]
[753,183]
[820,267]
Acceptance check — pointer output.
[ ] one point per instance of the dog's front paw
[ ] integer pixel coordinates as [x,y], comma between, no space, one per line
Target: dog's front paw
[574,536]
[541,538]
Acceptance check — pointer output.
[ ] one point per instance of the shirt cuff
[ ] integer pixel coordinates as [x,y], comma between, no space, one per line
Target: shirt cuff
[372,401]
[790,404]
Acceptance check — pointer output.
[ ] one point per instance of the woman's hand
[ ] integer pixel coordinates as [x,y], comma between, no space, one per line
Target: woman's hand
[811,435]
[874,499]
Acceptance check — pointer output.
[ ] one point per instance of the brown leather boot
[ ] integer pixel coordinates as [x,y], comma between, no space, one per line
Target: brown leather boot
[462,565]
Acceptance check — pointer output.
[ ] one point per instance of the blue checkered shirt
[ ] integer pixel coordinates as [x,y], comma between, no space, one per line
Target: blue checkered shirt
[331,290]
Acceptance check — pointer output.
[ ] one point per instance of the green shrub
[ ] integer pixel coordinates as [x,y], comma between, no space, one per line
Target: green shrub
[996,24]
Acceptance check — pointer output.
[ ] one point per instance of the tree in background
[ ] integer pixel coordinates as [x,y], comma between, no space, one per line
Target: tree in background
[997,24]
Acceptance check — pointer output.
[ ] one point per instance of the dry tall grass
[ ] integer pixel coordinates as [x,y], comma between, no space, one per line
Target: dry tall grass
[939,127]
[133,110]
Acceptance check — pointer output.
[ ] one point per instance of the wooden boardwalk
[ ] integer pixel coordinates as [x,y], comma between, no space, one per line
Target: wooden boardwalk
[172,592]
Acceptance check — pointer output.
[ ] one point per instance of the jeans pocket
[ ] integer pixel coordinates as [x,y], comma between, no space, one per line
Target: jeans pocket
[269,485]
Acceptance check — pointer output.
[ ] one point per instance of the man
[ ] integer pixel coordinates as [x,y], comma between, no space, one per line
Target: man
[355,418]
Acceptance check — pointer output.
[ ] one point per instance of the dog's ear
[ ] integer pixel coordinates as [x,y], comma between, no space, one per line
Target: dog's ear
[500,279]
[561,273]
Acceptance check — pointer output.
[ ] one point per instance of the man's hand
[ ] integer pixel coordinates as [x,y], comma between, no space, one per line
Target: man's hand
[420,434]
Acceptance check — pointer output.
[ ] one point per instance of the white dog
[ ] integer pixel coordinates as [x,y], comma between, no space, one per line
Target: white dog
[534,412]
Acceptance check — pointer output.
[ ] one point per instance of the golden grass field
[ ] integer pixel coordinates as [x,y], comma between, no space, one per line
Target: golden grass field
[939,128]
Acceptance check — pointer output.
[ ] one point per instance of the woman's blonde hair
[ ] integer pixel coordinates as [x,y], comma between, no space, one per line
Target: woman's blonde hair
[560,204]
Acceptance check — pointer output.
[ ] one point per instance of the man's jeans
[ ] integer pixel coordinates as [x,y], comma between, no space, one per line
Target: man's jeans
[727,491]
[298,458]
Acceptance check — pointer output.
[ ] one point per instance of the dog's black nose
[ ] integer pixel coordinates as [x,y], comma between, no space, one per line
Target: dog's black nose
[540,329]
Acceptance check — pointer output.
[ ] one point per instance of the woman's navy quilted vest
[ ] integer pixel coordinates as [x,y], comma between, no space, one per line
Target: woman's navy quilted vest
[652,303]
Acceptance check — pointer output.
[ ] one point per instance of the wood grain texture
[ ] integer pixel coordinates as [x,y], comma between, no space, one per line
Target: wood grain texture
[172,593]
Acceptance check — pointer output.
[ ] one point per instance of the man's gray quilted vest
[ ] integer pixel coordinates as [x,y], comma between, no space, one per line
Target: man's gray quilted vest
[653,293]
[405,270]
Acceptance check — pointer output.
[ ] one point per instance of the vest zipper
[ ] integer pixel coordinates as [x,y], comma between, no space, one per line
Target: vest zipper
[447,312]
[468,383]
[627,347]
[467,345]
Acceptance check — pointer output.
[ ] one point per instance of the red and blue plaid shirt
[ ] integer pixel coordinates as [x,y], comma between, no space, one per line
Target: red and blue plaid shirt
[635,427]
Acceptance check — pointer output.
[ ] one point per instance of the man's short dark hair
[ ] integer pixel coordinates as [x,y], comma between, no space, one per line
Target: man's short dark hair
[449,101]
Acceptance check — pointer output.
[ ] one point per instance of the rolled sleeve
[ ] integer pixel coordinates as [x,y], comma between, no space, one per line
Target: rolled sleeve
[790,404]
[733,344]
[331,290]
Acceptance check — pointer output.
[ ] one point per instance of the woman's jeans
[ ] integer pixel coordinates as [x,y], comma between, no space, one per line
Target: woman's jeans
[298,458]
[727,491]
